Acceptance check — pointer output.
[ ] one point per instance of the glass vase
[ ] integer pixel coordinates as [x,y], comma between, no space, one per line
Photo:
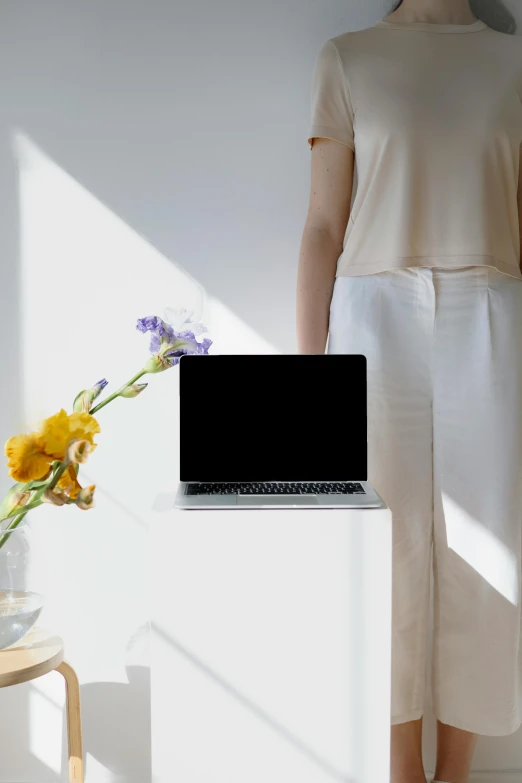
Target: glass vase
[20,605]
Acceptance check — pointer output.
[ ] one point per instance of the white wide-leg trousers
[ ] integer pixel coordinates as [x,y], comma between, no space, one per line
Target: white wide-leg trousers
[444,354]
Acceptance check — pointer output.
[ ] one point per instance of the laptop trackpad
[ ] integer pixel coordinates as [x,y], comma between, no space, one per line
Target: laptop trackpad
[277,500]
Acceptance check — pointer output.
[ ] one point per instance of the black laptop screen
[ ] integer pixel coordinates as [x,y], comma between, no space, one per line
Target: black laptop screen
[273,418]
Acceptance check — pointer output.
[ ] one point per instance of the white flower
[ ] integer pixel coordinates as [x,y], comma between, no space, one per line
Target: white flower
[181,321]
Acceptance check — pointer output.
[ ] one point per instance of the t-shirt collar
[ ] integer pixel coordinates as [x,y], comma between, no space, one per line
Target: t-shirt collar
[431,27]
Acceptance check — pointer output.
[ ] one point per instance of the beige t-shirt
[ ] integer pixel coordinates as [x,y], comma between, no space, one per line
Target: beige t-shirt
[434,114]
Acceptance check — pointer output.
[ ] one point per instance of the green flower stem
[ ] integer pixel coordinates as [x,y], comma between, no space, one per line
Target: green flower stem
[14,524]
[35,502]
[117,393]
[57,476]
[28,507]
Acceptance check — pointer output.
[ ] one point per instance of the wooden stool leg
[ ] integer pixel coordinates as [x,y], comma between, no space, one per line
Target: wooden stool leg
[74,723]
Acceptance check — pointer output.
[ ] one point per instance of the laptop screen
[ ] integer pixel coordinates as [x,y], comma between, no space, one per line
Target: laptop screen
[273,418]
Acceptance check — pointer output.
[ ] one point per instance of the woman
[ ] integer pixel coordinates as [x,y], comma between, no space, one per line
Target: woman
[422,275]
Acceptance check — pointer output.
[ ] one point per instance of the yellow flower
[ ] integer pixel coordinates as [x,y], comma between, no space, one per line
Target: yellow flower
[25,458]
[69,483]
[30,456]
[56,432]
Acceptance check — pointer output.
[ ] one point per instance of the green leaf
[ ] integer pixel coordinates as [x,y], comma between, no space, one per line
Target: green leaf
[36,484]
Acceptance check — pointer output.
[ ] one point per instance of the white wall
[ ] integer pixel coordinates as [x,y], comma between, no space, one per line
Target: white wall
[140,141]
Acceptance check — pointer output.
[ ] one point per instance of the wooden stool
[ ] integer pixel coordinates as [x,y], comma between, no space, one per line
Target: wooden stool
[37,654]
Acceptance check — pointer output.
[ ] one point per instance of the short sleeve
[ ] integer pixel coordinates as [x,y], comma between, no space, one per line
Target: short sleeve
[332,113]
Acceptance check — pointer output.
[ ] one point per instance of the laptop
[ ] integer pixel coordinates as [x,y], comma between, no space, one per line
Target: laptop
[273,431]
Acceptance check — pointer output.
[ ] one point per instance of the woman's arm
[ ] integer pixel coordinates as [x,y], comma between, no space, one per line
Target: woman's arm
[322,243]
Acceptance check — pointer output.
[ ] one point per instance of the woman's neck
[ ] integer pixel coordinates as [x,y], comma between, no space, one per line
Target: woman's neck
[433,12]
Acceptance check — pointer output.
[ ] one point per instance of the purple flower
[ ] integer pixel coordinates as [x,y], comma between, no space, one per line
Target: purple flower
[172,338]
[159,331]
[148,323]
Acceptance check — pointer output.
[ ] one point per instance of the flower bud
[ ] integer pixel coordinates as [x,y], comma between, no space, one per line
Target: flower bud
[20,499]
[79,400]
[84,400]
[15,498]
[156,363]
[85,499]
[132,391]
[78,450]
[55,496]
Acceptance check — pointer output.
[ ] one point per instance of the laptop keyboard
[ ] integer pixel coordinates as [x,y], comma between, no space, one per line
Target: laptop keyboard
[275,488]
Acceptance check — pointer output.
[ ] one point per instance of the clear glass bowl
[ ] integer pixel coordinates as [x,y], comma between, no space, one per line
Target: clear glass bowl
[20,605]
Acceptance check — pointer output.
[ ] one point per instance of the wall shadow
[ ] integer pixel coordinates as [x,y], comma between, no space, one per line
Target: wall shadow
[117,725]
